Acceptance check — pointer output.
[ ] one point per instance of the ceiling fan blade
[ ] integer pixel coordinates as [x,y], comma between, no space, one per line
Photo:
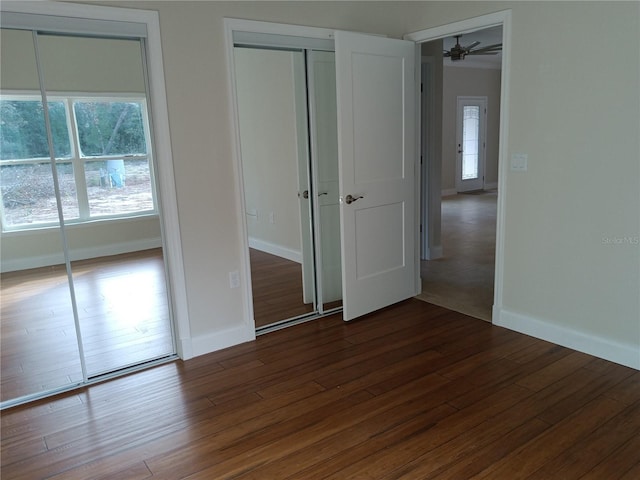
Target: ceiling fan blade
[469,47]
[478,52]
[488,48]
[446,53]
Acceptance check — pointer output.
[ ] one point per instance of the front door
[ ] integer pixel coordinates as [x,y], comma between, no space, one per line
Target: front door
[377,159]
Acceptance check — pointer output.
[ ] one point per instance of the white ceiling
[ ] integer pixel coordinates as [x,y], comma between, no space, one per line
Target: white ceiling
[486,37]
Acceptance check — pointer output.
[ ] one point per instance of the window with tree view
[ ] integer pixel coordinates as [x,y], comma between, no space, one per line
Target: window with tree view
[102,162]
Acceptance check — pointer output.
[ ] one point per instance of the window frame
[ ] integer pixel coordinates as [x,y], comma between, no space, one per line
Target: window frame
[78,160]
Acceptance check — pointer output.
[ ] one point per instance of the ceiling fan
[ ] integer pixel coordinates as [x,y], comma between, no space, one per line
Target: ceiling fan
[458,52]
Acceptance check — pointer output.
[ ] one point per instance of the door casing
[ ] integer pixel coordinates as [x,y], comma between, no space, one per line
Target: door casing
[310,33]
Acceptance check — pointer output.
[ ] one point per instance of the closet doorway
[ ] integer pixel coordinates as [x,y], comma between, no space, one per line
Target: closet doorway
[286,99]
[84,295]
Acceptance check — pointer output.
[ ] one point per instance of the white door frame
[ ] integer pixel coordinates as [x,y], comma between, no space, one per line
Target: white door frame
[494,19]
[162,141]
[477,183]
[232,25]
[465,26]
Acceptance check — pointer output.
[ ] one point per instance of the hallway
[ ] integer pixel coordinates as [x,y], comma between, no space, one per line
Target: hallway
[462,280]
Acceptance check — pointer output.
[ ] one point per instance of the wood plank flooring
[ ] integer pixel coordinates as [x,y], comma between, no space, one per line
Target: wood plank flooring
[414,391]
[123,314]
[277,288]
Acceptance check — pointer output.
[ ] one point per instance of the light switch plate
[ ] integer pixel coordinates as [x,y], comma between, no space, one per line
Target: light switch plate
[519,162]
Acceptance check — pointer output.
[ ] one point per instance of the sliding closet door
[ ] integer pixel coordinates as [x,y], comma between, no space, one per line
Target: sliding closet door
[39,346]
[324,152]
[271,96]
[112,223]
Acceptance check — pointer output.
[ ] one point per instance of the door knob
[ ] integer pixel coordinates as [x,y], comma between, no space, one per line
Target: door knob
[305,194]
[349,199]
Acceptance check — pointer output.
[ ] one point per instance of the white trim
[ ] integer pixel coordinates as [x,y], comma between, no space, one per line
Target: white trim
[167,198]
[461,27]
[159,113]
[253,26]
[274,249]
[229,337]
[60,22]
[243,231]
[623,353]
[434,252]
[37,261]
[485,21]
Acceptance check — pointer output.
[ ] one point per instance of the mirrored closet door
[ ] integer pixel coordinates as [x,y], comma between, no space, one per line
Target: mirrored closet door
[288,134]
[84,294]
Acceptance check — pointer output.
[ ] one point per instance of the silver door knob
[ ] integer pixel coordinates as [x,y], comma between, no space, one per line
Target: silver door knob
[349,199]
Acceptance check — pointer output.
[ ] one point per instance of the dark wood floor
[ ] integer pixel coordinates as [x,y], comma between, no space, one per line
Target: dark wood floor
[123,316]
[414,392]
[277,288]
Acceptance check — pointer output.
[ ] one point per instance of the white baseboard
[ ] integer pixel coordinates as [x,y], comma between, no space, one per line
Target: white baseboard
[491,185]
[434,252]
[622,353]
[277,250]
[38,261]
[222,339]
[185,348]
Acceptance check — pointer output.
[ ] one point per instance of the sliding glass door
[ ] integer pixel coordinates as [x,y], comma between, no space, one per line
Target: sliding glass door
[40,349]
[84,293]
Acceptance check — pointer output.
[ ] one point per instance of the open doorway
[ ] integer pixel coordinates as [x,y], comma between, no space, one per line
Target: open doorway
[458,254]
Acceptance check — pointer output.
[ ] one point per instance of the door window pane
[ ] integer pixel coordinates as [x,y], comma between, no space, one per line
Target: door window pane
[470,141]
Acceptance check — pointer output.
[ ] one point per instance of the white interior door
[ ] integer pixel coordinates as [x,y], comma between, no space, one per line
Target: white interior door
[377,159]
[471,129]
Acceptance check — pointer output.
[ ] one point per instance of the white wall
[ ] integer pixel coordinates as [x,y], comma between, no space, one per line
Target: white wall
[267,116]
[432,151]
[481,82]
[576,115]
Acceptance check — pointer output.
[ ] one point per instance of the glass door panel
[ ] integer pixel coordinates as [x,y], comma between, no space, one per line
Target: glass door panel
[39,346]
[271,99]
[114,236]
[324,153]
[471,127]
[470,141]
